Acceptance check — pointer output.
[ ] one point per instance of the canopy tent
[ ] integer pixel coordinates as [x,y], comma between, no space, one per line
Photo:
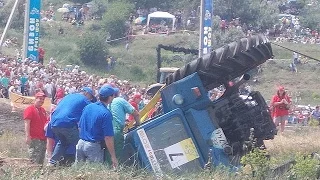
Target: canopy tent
[163,15]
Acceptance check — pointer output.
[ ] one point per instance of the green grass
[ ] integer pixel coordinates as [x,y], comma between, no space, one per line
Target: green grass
[304,82]
[301,140]
[308,49]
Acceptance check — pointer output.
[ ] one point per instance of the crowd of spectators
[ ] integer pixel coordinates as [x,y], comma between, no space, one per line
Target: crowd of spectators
[26,77]
[304,115]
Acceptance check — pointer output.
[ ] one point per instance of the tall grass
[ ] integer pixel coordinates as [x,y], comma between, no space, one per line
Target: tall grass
[298,140]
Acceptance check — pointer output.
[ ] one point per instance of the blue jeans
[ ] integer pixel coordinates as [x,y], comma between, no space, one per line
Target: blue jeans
[89,152]
[66,137]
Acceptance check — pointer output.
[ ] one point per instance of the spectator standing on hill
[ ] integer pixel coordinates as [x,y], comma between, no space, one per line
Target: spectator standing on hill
[64,121]
[41,55]
[96,130]
[280,104]
[35,118]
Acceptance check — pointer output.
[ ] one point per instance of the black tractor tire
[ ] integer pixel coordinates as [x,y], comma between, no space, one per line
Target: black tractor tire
[228,62]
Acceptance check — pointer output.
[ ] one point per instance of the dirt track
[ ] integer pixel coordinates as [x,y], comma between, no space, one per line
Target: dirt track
[10,121]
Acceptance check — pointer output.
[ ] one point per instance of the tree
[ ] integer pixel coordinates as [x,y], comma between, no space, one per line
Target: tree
[147,4]
[251,12]
[18,18]
[80,1]
[92,49]
[310,16]
[99,7]
[114,20]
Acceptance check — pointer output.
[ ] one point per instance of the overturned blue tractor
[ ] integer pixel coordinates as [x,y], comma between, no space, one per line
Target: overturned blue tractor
[189,131]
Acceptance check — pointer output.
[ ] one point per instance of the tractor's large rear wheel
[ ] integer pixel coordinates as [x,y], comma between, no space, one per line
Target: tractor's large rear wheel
[228,62]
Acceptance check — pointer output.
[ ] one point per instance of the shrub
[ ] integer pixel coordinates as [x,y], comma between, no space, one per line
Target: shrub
[257,162]
[92,49]
[313,122]
[305,168]
[315,95]
[115,18]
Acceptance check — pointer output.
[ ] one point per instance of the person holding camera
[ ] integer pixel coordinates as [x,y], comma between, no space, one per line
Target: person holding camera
[280,104]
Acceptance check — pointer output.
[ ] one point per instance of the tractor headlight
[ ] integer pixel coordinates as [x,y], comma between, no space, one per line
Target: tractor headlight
[178,99]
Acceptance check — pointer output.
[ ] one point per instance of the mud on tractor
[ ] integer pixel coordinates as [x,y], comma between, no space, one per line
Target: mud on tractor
[189,130]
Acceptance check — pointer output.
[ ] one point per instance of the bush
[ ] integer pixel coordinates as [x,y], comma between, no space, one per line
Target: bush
[305,168]
[115,18]
[92,49]
[310,17]
[18,17]
[258,163]
[313,122]
[315,95]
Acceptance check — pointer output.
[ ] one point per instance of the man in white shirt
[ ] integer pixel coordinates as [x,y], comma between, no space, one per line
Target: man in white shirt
[48,87]
[32,87]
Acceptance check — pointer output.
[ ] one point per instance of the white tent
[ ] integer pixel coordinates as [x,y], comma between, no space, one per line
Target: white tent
[164,15]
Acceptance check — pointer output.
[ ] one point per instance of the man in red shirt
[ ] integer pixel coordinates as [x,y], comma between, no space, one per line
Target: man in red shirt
[280,104]
[134,101]
[41,55]
[35,118]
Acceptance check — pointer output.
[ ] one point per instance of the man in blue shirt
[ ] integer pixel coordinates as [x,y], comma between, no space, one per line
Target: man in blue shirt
[52,141]
[64,121]
[96,130]
[315,114]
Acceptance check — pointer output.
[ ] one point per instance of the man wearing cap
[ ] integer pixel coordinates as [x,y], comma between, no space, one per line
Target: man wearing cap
[35,118]
[280,104]
[64,121]
[96,130]
[119,109]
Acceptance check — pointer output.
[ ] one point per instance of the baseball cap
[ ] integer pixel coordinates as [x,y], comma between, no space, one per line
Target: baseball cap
[88,90]
[114,87]
[40,94]
[117,90]
[106,90]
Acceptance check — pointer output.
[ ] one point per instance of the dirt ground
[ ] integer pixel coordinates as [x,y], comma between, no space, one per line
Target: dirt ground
[10,121]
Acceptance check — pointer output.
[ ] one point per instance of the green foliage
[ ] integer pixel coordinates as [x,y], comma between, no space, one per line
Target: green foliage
[258,162]
[313,122]
[114,20]
[306,167]
[18,17]
[310,16]
[315,95]
[223,38]
[99,7]
[163,4]
[80,1]
[252,12]
[92,49]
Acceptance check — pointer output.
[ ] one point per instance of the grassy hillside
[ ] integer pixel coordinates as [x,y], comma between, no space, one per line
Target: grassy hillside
[302,86]
[138,64]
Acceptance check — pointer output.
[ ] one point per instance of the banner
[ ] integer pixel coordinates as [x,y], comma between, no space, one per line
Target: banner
[207,27]
[19,101]
[33,31]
